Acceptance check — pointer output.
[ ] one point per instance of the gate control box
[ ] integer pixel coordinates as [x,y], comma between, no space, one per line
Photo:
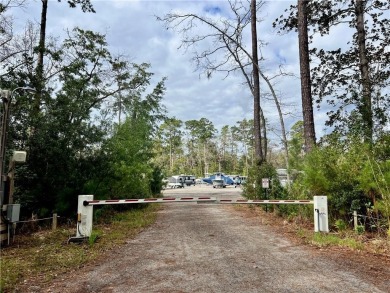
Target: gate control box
[13,212]
[321,214]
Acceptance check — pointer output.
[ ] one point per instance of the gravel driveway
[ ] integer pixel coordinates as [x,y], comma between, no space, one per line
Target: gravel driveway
[210,248]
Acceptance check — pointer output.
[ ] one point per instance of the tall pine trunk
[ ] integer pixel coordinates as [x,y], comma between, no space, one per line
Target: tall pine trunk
[259,156]
[307,102]
[39,84]
[366,111]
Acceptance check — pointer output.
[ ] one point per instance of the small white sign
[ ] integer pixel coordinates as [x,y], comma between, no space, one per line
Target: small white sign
[265,182]
[19,156]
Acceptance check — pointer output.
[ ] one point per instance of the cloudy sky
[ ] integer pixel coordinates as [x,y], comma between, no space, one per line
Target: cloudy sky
[131,29]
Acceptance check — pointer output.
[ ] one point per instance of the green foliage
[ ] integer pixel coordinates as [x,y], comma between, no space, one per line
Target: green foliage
[341,225]
[86,5]
[156,182]
[352,174]
[333,170]
[132,174]
[295,146]
[338,73]
[195,147]
[253,188]
[47,254]
[93,238]
[321,240]
[170,141]
[72,141]
[375,180]
[359,229]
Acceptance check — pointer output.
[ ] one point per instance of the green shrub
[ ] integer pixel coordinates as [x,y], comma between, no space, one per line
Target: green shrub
[359,229]
[340,225]
[93,238]
[253,188]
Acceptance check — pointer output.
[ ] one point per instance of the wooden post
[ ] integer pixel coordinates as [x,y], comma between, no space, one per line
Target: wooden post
[54,224]
[11,178]
[355,220]
[3,231]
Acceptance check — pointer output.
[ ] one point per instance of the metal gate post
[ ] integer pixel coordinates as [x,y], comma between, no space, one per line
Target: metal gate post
[321,214]
[84,217]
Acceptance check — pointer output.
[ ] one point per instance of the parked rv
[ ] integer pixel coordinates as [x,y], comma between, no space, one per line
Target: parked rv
[238,179]
[175,182]
[179,181]
[218,180]
[188,179]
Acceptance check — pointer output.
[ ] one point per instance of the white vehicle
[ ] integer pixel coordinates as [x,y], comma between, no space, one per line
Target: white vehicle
[175,182]
[218,181]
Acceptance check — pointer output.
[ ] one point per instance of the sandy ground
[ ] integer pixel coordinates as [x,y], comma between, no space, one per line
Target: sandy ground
[213,248]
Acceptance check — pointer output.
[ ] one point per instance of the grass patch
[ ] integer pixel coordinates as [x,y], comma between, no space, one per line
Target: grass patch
[327,239]
[46,254]
[320,239]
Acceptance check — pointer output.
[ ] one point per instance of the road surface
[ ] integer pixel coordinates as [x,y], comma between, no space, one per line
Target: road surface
[211,248]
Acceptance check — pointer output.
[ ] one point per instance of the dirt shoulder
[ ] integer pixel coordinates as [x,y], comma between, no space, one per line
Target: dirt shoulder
[370,265]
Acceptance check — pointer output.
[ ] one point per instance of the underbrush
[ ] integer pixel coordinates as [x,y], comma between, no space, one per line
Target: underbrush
[47,254]
[298,223]
[348,239]
[341,235]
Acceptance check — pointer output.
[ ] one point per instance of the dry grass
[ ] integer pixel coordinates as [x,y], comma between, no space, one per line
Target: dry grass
[302,230]
[47,254]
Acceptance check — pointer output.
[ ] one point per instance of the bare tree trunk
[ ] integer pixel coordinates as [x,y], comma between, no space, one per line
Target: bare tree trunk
[364,71]
[283,128]
[256,88]
[120,109]
[264,141]
[246,159]
[307,103]
[206,169]
[170,156]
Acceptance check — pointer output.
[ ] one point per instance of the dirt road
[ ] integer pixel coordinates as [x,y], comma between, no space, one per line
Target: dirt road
[210,248]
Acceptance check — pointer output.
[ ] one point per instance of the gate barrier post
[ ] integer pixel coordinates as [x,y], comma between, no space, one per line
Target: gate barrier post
[84,217]
[86,203]
[321,214]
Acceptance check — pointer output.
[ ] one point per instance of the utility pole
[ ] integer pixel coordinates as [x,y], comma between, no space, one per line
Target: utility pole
[6,97]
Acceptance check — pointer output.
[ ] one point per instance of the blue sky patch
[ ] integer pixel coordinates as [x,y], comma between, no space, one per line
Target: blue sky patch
[213,9]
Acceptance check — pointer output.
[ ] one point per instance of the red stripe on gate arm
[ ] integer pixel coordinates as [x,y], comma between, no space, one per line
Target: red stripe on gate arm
[204,198]
[304,200]
[186,198]
[150,199]
[93,201]
[225,200]
[289,200]
[131,200]
[242,200]
[272,200]
[258,200]
[169,198]
[111,200]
